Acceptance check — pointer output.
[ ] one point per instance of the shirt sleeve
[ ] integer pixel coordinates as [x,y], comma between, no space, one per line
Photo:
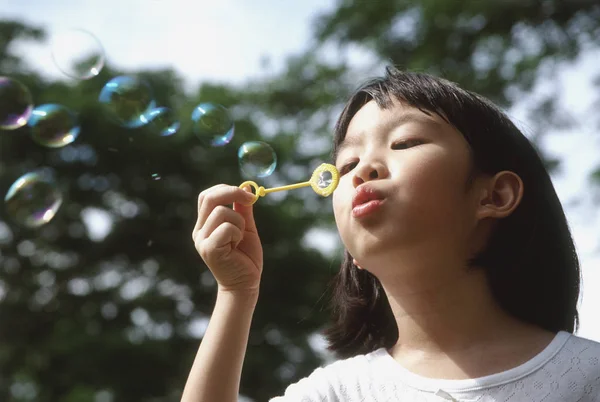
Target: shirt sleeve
[317,387]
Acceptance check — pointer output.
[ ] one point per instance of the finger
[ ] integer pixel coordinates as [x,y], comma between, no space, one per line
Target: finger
[221,214]
[220,242]
[201,197]
[247,212]
[221,194]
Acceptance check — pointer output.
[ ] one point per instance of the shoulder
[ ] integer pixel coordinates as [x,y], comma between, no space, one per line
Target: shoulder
[578,356]
[579,348]
[335,380]
[578,364]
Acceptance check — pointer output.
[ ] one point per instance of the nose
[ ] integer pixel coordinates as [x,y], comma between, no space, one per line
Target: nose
[369,171]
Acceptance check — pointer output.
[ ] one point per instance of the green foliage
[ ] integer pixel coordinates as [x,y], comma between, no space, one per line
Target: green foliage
[83,316]
[500,49]
[11,32]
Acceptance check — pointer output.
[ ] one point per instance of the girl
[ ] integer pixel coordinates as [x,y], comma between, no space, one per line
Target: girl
[460,279]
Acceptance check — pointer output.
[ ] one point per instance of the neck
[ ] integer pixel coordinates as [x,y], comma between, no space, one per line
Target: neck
[452,313]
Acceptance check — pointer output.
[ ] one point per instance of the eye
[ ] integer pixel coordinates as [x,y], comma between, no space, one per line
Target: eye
[406,143]
[347,167]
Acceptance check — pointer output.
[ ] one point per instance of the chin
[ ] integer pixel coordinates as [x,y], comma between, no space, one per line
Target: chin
[369,254]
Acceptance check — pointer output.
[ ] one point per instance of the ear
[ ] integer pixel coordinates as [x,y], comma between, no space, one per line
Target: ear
[501,196]
[356,263]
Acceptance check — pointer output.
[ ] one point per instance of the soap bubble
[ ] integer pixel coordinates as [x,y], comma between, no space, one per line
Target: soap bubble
[33,200]
[163,121]
[53,125]
[15,104]
[325,179]
[77,53]
[129,99]
[213,124]
[257,159]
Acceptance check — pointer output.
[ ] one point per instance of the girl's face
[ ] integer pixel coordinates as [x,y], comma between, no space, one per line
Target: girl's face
[417,166]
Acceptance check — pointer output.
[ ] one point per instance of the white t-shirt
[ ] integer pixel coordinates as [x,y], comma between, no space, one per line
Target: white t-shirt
[568,369]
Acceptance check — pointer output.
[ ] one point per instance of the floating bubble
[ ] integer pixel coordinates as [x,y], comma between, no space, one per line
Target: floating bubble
[163,121]
[53,125]
[129,99]
[15,104]
[77,53]
[213,124]
[325,179]
[33,200]
[257,159]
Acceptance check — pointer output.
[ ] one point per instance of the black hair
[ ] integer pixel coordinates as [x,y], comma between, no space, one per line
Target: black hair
[530,259]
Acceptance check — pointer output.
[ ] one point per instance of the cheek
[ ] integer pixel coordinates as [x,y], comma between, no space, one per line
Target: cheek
[341,203]
[438,171]
[340,200]
[435,185]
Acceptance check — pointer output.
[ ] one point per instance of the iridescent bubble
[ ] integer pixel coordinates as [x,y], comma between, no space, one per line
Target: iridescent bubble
[257,159]
[15,104]
[53,125]
[128,99]
[213,124]
[163,121]
[77,53]
[33,200]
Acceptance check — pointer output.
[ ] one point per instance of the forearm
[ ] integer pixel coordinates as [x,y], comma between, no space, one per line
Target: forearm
[217,368]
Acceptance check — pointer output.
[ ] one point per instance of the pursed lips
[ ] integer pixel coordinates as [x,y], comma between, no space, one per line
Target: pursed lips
[365,194]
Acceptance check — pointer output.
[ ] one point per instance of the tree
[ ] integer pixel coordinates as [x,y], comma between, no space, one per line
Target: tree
[78,322]
[83,315]
[500,49]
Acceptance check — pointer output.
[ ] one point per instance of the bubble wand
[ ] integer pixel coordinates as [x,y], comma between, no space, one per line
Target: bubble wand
[323,181]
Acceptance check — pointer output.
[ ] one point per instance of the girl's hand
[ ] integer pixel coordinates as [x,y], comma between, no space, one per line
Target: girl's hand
[227,240]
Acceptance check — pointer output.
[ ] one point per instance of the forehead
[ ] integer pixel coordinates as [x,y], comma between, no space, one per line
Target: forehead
[371,119]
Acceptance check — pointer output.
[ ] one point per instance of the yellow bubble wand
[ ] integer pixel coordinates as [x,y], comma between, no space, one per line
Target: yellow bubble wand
[323,181]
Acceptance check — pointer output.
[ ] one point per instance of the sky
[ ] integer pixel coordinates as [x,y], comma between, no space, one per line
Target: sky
[226,40]
[203,40]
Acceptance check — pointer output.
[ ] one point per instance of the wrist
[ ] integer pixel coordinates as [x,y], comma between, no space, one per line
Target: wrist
[245,297]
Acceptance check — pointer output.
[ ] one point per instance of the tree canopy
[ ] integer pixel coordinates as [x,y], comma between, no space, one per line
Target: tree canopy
[120,316]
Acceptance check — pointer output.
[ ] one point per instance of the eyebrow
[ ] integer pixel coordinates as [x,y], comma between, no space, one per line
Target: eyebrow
[404,118]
